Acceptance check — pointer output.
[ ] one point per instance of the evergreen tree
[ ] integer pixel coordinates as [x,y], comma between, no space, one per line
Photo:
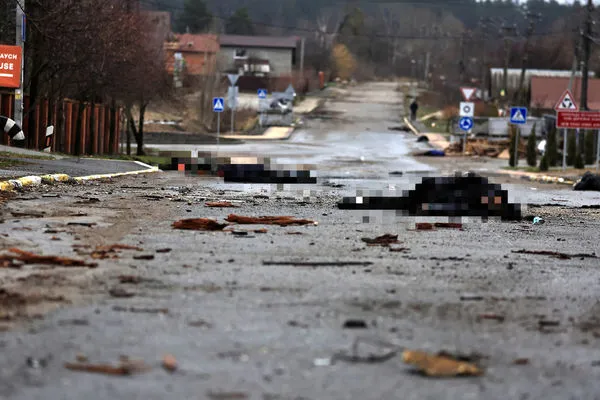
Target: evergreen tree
[551,152]
[589,147]
[571,148]
[579,161]
[531,148]
[195,17]
[544,163]
[513,146]
[240,23]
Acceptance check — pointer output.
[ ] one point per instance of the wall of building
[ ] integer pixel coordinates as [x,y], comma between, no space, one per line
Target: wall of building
[279,59]
[196,63]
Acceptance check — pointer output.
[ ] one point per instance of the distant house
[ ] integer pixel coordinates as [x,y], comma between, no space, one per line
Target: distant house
[547,91]
[260,56]
[496,78]
[191,55]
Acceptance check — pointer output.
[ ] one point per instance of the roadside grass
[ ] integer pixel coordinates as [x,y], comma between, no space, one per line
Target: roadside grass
[8,154]
[8,163]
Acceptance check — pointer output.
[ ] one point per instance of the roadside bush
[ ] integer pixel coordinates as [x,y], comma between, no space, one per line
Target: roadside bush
[551,152]
[531,148]
[579,161]
[571,148]
[544,163]
[513,145]
[589,147]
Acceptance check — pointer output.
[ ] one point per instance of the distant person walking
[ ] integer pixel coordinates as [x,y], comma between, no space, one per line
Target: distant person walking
[414,107]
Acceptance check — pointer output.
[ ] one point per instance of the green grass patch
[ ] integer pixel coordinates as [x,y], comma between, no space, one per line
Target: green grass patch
[8,154]
[8,163]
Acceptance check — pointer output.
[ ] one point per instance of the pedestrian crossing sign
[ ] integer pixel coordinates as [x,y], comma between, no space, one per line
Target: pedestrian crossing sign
[218,104]
[518,115]
[566,103]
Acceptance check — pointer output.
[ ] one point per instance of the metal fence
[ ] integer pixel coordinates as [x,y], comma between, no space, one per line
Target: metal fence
[499,127]
[79,128]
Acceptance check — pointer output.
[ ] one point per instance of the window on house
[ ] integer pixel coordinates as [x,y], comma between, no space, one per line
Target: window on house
[240,54]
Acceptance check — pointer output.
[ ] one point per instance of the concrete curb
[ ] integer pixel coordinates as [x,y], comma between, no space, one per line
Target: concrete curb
[266,135]
[33,181]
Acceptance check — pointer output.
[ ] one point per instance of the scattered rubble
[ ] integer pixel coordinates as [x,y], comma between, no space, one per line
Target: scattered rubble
[31,258]
[441,365]
[199,224]
[281,221]
[555,254]
[169,363]
[221,204]
[319,263]
[384,240]
[125,367]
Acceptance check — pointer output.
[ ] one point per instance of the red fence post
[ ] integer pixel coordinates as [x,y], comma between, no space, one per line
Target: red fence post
[101,125]
[67,148]
[36,127]
[117,130]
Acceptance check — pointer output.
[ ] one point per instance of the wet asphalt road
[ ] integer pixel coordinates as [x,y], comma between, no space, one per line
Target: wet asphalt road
[241,328]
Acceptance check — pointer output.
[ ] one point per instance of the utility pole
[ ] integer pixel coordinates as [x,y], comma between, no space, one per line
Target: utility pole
[587,33]
[20,41]
[520,95]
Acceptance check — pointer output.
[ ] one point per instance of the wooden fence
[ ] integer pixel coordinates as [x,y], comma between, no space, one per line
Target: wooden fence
[79,129]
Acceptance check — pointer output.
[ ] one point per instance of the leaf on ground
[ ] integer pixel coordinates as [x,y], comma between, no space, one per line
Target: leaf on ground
[124,368]
[439,366]
[169,363]
[384,240]
[220,204]
[424,226]
[268,220]
[199,224]
[555,254]
[31,258]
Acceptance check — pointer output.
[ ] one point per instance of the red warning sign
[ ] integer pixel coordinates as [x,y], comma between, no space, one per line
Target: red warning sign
[10,66]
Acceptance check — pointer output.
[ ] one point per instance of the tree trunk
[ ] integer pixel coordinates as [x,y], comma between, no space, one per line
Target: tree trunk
[130,128]
[139,137]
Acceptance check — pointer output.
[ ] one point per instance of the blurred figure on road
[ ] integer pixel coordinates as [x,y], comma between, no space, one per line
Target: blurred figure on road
[414,107]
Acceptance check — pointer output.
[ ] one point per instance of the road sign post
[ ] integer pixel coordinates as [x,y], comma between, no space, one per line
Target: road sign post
[262,99]
[218,107]
[564,163]
[598,151]
[465,124]
[518,117]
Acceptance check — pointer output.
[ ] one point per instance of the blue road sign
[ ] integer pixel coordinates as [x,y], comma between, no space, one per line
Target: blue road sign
[262,93]
[218,104]
[518,115]
[466,123]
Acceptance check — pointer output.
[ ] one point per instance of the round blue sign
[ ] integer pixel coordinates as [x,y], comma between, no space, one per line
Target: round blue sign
[465,123]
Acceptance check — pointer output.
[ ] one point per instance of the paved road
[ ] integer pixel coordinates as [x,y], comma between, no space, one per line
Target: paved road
[71,166]
[241,327]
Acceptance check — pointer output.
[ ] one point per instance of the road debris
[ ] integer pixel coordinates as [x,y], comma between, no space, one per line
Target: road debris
[91,200]
[200,323]
[294,233]
[260,230]
[448,225]
[120,293]
[439,365]
[227,395]
[521,361]
[355,324]
[320,263]
[384,240]
[221,204]
[130,279]
[496,317]
[322,362]
[538,221]
[110,251]
[199,224]
[146,257]
[399,249]
[471,297]
[548,324]
[124,368]
[165,250]
[555,254]
[266,220]
[141,310]
[27,214]
[169,363]
[31,258]
[423,226]
[86,224]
